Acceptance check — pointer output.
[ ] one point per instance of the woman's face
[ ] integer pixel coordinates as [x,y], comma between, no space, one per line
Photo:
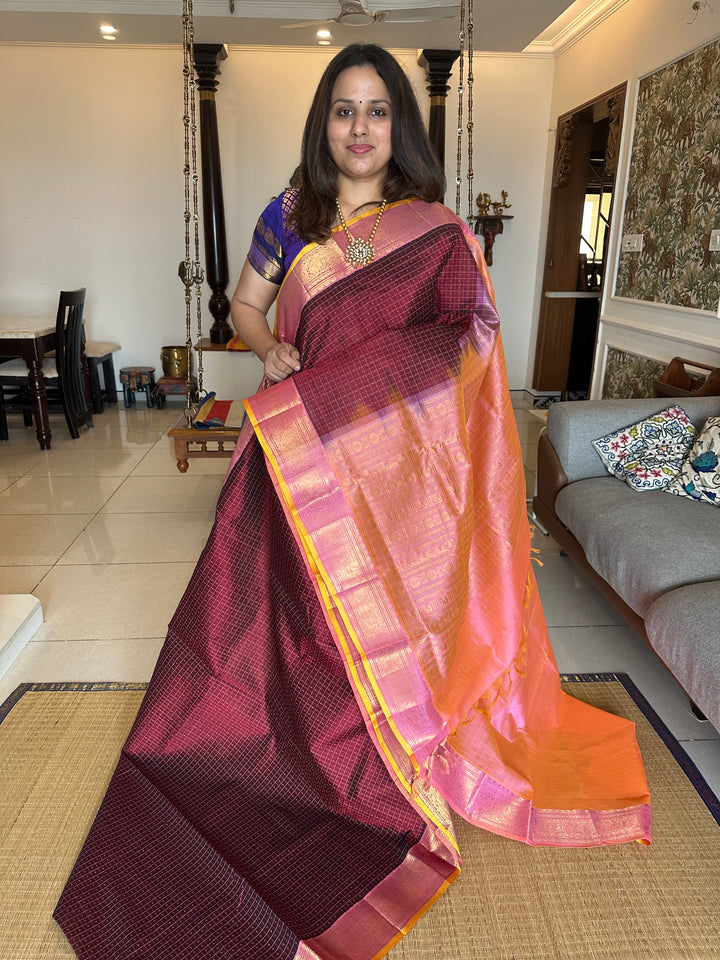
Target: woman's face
[359,126]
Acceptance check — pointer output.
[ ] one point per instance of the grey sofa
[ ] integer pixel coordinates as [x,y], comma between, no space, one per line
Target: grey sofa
[655,556]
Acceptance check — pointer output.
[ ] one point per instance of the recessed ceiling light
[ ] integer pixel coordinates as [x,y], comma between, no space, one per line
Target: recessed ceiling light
[107,36]
[324,43]
[323,33]
[107,28]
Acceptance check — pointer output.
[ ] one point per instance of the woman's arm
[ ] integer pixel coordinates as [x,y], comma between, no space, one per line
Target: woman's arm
[253,297]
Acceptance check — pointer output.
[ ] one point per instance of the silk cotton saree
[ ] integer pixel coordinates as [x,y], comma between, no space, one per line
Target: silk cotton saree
[360,649]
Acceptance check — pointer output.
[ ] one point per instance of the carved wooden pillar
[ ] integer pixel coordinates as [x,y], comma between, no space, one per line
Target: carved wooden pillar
[207,56]
[616,105]
[437,65]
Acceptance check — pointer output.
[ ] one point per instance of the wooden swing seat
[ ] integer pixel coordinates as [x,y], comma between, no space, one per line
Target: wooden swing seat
[191,443]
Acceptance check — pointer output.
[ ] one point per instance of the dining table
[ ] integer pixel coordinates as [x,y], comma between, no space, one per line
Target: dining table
[31,339]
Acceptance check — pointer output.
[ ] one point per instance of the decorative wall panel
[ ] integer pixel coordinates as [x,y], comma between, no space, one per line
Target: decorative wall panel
[629,376]
[673,195]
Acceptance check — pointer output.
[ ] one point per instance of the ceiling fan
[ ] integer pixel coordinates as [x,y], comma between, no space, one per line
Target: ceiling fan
[354,14]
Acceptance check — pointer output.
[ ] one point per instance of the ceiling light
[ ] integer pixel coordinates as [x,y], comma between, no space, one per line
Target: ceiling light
[324,43]
[107,28]
[323,33]
[107,36]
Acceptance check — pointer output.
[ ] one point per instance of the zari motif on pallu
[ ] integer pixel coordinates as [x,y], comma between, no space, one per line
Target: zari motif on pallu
[360,648]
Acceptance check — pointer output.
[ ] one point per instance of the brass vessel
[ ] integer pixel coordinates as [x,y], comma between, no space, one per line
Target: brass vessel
[175,361]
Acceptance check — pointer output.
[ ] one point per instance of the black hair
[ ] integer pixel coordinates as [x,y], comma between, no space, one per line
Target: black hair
[414,170]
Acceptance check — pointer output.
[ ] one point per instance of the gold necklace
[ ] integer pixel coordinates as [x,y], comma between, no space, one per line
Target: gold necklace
[359,253]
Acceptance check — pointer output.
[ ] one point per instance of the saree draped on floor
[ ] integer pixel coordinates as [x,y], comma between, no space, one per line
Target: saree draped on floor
[360,648]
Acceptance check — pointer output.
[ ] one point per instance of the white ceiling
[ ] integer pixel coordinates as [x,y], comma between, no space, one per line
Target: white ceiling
[499,25]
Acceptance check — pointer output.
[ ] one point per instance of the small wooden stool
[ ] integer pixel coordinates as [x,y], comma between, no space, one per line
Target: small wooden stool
[171,387]
[136,379]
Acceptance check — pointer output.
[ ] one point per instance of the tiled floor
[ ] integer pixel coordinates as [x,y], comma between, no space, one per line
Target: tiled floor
[105,532]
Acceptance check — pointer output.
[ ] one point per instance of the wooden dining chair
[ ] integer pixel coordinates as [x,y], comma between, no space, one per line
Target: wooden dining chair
[63,374]
[99,356]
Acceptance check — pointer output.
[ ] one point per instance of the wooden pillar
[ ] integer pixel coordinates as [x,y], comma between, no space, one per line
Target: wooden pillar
[207,56]
[438,68]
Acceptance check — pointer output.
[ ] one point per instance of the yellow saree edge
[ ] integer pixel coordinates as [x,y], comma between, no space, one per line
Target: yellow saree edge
[329,594]
[331,600]
[329,606]
[296,259]
[421,912]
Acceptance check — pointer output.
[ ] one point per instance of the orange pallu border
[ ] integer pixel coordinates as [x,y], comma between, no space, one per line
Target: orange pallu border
[470,712]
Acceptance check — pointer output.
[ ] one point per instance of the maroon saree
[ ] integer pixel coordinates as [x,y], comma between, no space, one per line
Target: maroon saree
[360,646]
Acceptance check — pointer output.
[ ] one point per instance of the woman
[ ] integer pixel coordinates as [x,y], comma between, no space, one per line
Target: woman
[362,643]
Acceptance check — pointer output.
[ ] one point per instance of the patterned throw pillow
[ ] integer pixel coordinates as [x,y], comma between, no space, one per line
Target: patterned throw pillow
[699,476]
[648,454]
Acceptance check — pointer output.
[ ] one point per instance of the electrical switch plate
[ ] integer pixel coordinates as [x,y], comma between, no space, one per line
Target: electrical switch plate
[714,240]
[632,242]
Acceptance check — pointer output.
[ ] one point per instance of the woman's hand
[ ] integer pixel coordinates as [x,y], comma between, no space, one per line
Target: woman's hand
[281,360]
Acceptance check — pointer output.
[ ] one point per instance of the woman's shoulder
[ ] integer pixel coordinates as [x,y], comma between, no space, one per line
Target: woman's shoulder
[288,201]
[275,242]
[275,219]
[281,206]
[437,214]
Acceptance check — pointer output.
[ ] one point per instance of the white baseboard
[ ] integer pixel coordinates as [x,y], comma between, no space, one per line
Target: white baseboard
[20,617]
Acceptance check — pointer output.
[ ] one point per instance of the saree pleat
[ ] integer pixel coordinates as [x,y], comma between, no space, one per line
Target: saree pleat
[360,648]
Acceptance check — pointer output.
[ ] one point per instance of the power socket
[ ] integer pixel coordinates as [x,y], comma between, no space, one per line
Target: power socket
[714,240]
[632,242]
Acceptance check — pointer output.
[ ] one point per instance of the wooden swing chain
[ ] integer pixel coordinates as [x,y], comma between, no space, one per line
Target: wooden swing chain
[467,27]
[191,272]
[470,81]
[461,91]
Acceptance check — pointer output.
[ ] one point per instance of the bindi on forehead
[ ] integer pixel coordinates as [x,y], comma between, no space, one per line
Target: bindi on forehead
[360,102]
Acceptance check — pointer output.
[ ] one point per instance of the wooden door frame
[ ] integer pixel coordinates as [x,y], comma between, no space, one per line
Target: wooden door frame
[572,154]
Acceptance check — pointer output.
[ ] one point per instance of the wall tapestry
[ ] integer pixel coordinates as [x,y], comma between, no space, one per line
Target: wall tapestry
[629,376]
[673,196]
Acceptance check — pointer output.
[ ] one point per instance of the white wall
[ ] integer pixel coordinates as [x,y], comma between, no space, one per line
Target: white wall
[512,94]
[640,37]
[92,193]
[91,160]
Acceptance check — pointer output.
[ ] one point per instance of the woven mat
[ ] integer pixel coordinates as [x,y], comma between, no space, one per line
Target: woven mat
[59,744]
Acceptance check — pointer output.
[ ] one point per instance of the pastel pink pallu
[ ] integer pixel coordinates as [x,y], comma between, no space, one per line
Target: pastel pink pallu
[361,646]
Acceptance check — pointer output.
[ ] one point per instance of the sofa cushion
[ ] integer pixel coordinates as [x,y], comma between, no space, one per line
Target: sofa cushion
[699,476]
[642,545]
[682,627]
[572,426]
[648,454]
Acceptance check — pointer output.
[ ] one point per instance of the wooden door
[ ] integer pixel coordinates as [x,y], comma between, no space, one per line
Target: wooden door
[575,138]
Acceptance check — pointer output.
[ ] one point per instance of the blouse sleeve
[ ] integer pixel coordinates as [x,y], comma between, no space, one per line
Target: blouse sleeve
[266,254]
